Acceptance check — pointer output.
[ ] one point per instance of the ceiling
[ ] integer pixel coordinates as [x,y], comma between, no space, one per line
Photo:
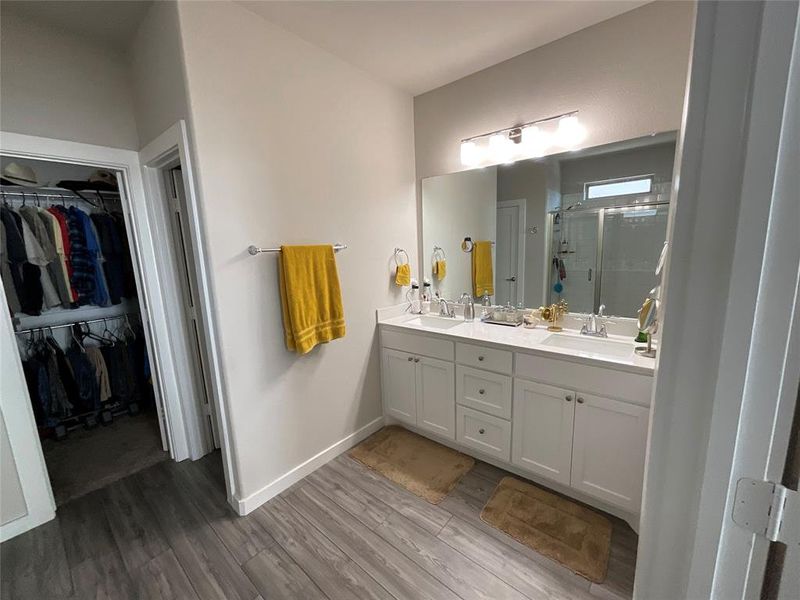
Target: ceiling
[111,24]
[418,46]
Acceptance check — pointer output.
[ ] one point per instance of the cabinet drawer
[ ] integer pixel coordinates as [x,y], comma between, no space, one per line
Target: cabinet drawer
[605,381]
[417,344]
[484,391]
[484,433]
[485,358]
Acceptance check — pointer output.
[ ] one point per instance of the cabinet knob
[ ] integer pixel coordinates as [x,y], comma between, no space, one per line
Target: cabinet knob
[481,392]
[568,398]
[416,360]
[410,358]
[480,358]
[481,431]
[580,400]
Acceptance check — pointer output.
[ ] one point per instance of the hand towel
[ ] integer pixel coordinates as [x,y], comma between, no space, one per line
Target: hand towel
[440,268]
[482,275]
[311,299]
[403,275]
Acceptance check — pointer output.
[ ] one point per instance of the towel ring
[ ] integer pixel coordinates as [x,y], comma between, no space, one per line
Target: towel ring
[438,252]
[397,253]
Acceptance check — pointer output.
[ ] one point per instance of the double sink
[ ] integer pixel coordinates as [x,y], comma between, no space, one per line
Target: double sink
[574,343]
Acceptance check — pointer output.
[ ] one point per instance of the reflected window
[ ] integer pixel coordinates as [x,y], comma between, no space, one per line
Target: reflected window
[618,187]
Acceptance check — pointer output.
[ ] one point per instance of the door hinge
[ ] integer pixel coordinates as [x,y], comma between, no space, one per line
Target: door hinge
[768,509]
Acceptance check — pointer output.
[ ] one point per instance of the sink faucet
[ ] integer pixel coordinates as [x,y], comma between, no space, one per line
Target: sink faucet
[469,306]
[445,310]
[590,327]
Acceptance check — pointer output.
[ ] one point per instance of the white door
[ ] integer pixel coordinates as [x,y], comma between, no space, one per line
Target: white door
[542,429]
[436,396]
[608,450]
[508,252]
[399,386]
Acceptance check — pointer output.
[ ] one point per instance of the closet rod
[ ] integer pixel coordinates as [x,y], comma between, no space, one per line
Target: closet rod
[256,250]
[67,195]
[62,326]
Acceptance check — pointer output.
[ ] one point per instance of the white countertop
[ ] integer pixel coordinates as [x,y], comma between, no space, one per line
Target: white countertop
[533,341]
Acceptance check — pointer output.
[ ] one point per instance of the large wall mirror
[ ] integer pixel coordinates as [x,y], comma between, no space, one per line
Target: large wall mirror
[586,227]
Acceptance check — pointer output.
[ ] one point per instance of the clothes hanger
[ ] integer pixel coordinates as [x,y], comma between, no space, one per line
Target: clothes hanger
[75,337]
[129,329]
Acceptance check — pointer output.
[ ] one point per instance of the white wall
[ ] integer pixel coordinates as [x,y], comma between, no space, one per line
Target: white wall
[626,76]
[157,76]
[294,146]
[453,207]
[62,86]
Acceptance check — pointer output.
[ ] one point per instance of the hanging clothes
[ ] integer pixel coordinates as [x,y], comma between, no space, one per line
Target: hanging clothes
[85,378]
[6,276]
[95,356]
[51,275]
[113,253]
[25,276]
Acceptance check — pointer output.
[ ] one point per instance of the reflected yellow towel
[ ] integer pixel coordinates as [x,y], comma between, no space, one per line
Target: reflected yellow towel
[311,299]
[403,275]
[440,268]
[482,275]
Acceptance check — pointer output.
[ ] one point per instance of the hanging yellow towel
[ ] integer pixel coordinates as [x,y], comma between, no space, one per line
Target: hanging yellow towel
[482,275]
[403,275]
[440,268]
[311,299]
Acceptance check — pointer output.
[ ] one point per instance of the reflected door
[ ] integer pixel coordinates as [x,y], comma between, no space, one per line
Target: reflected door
[507,252]
[632,240]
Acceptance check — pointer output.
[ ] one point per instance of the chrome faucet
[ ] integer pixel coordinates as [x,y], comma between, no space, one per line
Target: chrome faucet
[590,327]
[469,306]
[445,310]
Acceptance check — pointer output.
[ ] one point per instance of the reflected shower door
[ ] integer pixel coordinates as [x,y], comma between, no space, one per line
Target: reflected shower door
[576,246]
[632,240]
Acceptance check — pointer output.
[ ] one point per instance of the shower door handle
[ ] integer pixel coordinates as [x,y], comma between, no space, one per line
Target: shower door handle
[590,273]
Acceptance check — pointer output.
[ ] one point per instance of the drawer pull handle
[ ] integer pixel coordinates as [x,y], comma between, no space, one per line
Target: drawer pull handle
[580,400]
[410,358]
[480,358]
[481,431]
[568,398]
[416,360]
[481,392]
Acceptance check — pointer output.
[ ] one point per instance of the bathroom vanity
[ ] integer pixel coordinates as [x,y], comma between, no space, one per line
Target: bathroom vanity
[566,410]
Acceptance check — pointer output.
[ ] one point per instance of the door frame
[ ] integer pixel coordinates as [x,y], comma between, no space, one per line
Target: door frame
[173,146]
[521,204]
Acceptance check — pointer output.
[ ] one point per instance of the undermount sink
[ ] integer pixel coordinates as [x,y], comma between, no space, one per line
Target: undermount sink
[588,345]
[436,322]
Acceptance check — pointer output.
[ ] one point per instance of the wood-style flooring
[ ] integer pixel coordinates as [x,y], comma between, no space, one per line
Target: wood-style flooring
[342,532]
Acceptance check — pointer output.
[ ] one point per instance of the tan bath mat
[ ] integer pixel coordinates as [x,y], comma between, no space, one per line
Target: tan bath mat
[567,532]
[420,465]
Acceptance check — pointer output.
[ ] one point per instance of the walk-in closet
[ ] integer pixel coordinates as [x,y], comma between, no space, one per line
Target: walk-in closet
[68,276]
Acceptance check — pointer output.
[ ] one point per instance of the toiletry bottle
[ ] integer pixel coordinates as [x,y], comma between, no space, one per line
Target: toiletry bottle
[413,298]
[486,304]
[425,298]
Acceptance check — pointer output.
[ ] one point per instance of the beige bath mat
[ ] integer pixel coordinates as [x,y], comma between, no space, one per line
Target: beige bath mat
[420,465]
[567,532]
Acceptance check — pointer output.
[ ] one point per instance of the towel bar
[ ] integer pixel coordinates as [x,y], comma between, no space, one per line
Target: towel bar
[253,250]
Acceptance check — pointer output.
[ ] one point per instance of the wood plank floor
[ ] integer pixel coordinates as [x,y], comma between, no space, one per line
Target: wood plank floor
[343,532]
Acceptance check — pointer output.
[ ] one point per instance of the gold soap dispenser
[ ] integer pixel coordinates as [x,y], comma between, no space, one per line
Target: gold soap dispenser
[553,313]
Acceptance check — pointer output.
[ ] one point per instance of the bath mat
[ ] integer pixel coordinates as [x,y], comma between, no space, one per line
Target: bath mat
[567,532]
[425,468]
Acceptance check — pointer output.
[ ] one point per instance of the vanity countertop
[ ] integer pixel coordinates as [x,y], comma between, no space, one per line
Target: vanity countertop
[615,352]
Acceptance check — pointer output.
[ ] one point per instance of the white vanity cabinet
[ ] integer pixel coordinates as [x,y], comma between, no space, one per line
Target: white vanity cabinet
[542,429]
[419,389]
[580,425]
[608,449]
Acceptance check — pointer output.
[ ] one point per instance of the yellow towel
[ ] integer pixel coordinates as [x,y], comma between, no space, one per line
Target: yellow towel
[440,268]
[482,275]
[311,299]
[403,275]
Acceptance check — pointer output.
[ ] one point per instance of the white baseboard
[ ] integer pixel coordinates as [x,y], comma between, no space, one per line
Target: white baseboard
[25,523]
[246,505]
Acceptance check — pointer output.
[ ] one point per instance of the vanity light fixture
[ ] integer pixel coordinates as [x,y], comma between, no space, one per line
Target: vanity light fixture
[528,140]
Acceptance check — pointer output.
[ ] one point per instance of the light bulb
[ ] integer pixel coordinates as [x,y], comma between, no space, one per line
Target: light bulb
[470,154]
[535,141]
[570,132]
[501,148]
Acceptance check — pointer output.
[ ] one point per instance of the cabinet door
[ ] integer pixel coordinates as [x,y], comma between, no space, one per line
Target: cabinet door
[542,429]
[608,450]
[399,386]
[436,396]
